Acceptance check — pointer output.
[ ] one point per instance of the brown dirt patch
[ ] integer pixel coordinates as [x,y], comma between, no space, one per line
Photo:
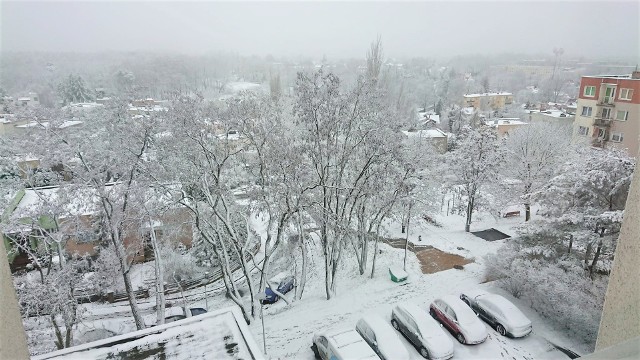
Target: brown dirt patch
[431,259]
[434,260]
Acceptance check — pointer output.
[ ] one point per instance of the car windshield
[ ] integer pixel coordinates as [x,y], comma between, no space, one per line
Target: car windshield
[464,314]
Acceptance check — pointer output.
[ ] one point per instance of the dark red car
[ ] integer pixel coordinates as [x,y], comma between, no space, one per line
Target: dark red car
[459,319]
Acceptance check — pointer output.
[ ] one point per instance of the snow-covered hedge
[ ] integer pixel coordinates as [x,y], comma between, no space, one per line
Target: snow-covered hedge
[558,289]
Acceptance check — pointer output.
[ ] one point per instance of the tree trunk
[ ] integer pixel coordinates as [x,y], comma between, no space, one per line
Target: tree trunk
[596,257]
[375,249]
[570,243]
[303,249]
[160,299]
[56,328]
[527,212]
[467,225]
[406,241]
[124,267]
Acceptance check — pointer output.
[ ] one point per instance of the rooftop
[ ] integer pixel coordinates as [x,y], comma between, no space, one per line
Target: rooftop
[626,76]
[221,334]
[430,133]
[488,94]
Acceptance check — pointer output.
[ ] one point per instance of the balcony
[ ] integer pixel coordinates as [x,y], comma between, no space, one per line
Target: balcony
[602,122]
[606,102]
[598,142]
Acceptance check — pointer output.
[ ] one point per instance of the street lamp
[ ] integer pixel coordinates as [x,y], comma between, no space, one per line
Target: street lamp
[206,280]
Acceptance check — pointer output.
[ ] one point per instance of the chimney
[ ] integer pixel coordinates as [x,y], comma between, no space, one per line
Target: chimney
[635,74]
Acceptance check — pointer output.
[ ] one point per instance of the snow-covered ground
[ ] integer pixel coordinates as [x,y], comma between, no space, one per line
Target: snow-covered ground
[289,329]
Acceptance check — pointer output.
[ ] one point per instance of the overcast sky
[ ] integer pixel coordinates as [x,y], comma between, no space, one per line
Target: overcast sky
[337,29]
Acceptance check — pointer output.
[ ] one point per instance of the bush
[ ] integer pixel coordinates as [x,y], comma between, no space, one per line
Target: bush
[558,289]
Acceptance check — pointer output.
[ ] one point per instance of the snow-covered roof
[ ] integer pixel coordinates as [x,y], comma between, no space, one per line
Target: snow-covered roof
[221,334]
[24,99]
[350,344]
[35,199]
[46,124]
[236,87]
[505,121]
[551,113]
[487,94]
[429,133]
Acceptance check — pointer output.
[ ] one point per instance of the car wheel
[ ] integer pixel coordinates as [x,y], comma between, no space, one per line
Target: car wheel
[501,330]
[460,338]
[424,353]
[433,313]
[314,347]
[395,325]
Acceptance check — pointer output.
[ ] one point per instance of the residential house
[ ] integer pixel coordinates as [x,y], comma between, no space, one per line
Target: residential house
[74,219]
[488,101]
[436,137]
[30,100]
[504,126]
[608,113]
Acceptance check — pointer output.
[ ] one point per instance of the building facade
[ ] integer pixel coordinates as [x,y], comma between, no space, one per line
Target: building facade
[608,112]
[488,101]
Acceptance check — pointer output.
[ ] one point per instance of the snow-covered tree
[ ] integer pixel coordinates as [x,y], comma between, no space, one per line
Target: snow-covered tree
[474,163]
[533,154]
[74,90]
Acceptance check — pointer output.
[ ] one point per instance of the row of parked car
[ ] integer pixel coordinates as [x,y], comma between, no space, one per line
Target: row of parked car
[373,338]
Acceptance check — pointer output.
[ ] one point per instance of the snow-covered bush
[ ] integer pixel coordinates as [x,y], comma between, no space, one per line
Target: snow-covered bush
[179,266]
[556,285]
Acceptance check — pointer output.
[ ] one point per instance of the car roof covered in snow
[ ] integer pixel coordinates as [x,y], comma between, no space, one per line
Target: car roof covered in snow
[507,307]
[427,325]
[387,338]
[350,344]
[474,293]
[464,313]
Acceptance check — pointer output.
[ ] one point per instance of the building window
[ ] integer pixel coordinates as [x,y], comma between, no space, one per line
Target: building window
[583,130]
[586,110]
[626,94]
[622,115]
[590,91]
[606,113]
[617,137]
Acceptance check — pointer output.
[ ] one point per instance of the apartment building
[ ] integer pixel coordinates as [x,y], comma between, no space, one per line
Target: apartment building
[488,101]
[608,112]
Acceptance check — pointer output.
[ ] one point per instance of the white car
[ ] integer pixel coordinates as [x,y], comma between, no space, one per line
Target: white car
[422,331]
[342,344]
[382,339]
[498,312]
[461,321]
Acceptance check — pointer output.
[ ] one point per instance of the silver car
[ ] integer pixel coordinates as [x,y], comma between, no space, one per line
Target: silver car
[498,312]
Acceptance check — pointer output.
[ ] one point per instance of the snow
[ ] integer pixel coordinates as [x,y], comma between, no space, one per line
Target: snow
[46,124]
[289,329]
[510,311]
[236,87]
[506,121]
[386,337]
[350,345]
[221,335]
[430,133]
[487,94]
[464,314]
